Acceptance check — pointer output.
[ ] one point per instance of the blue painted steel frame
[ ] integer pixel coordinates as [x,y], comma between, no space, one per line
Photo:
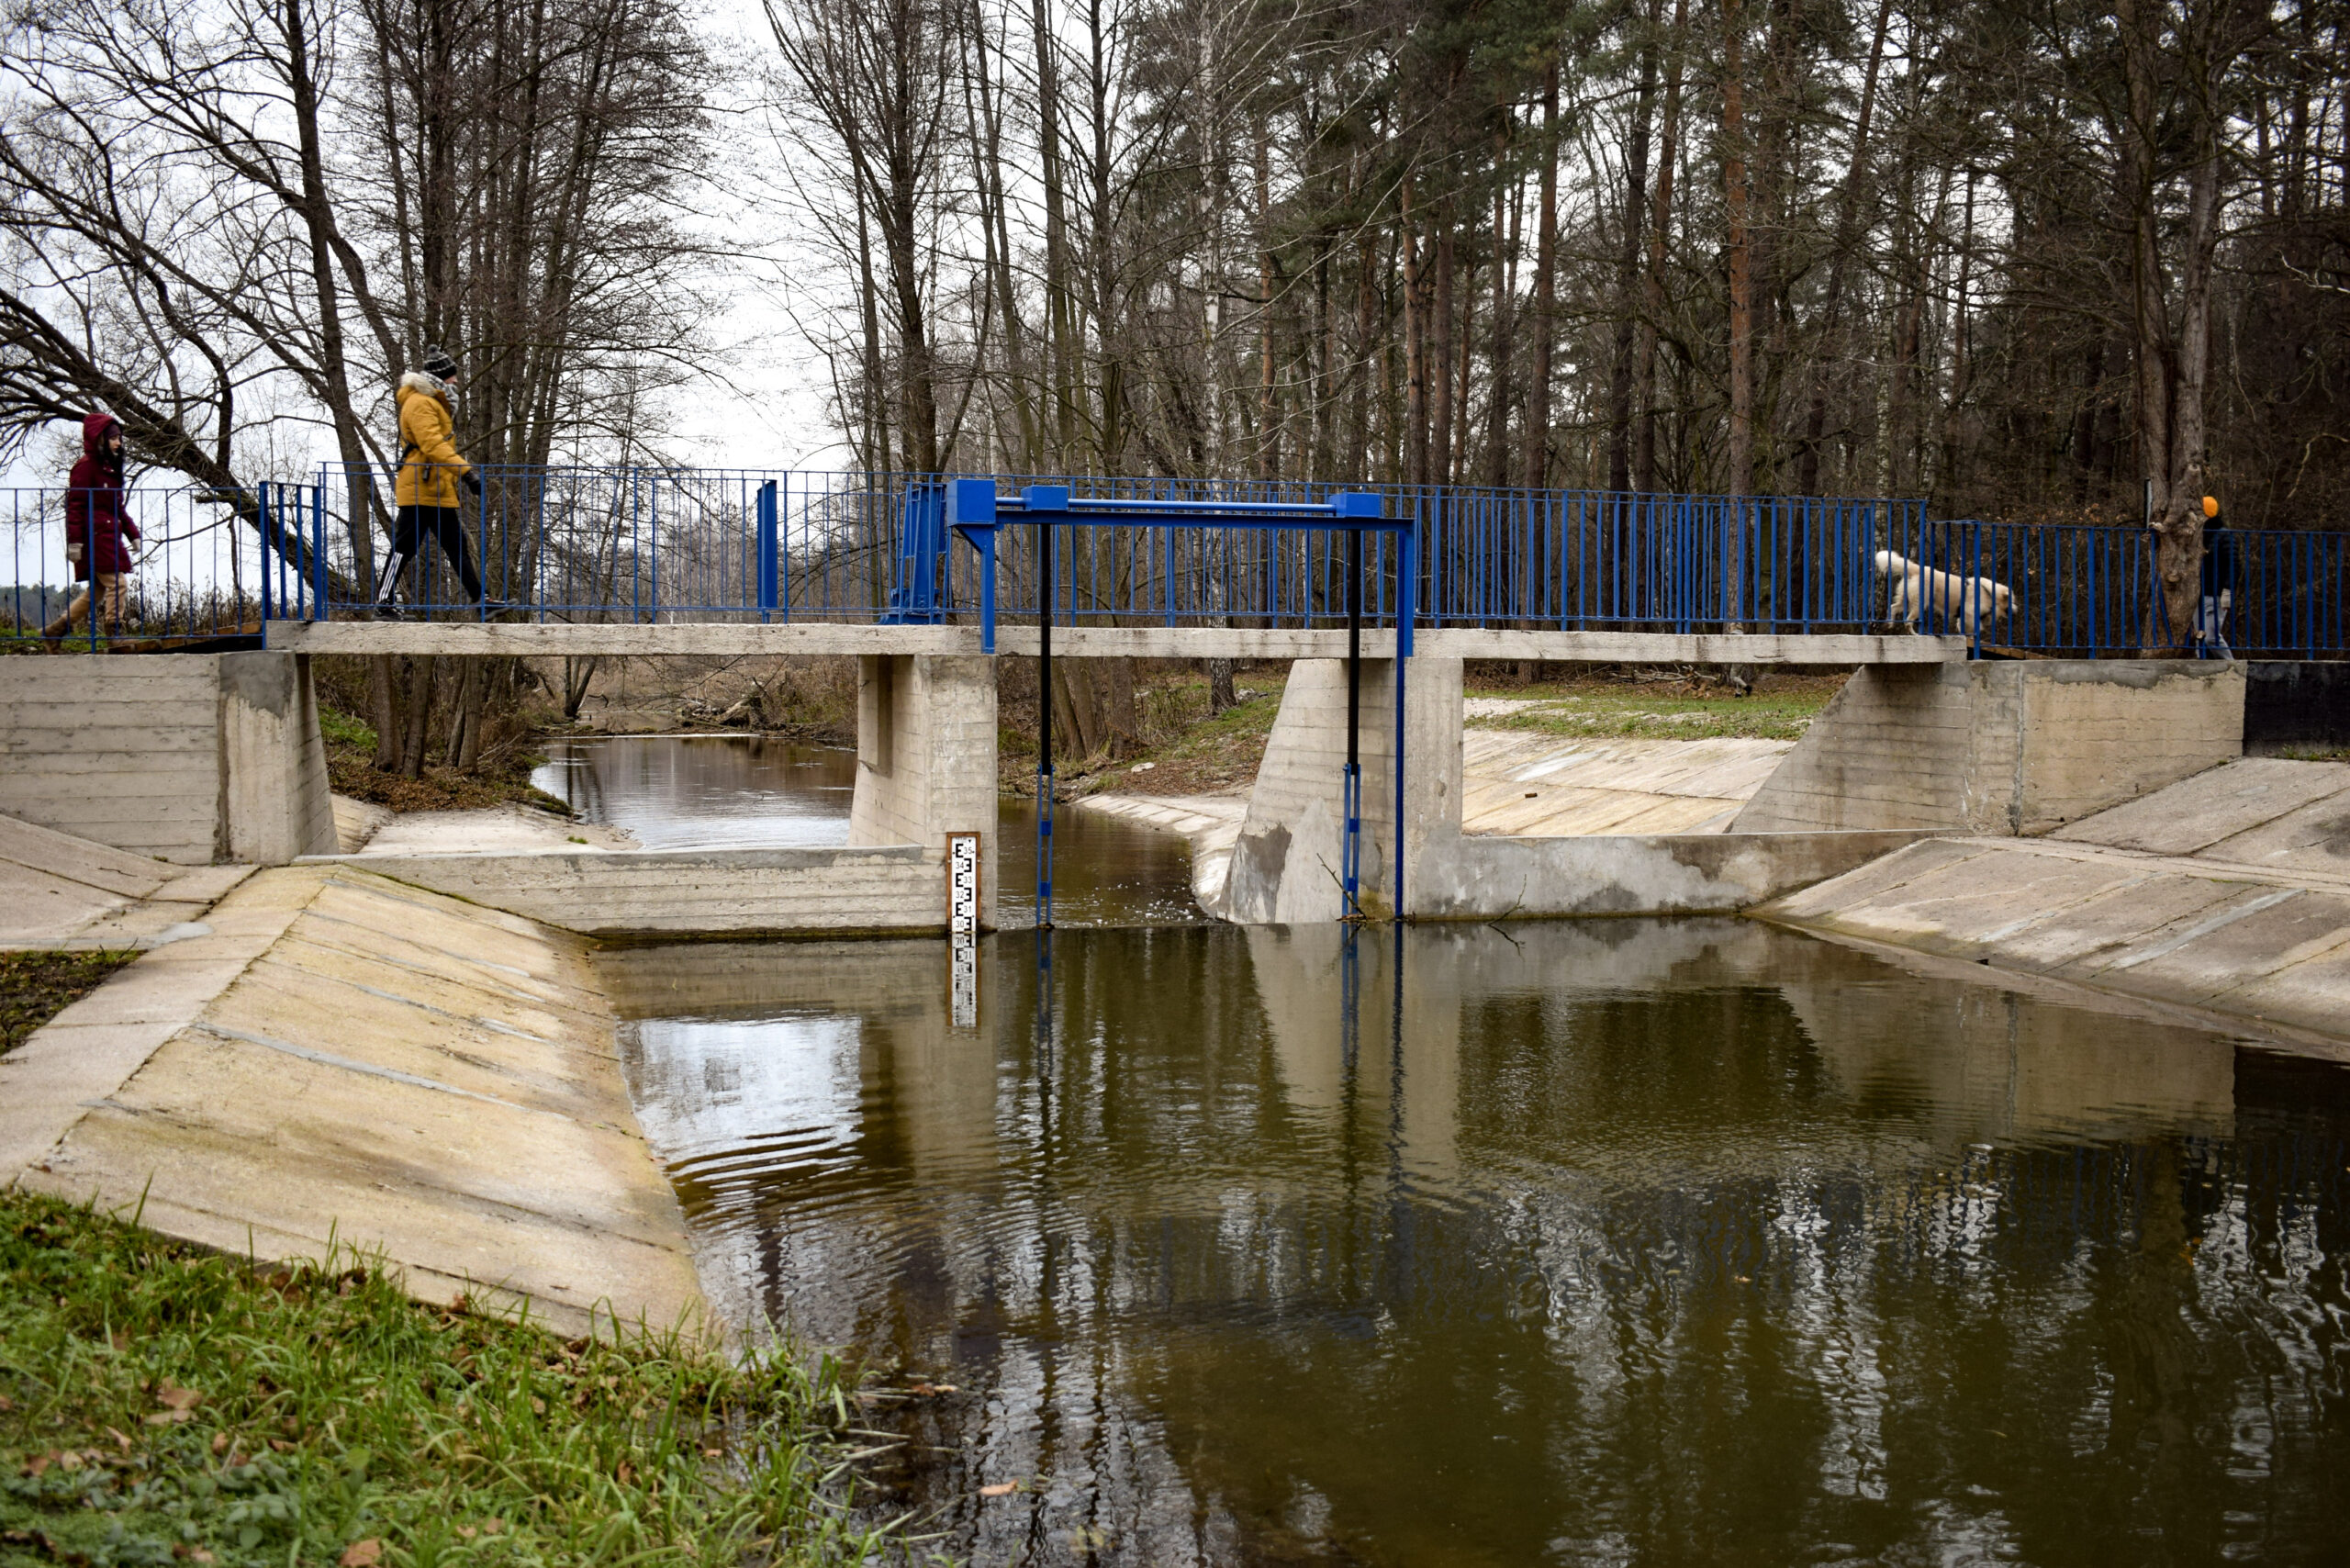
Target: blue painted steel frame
[973,510]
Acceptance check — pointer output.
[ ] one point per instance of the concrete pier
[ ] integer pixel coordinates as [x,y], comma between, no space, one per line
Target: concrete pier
[1286,863]
[2010,748]
[926,762]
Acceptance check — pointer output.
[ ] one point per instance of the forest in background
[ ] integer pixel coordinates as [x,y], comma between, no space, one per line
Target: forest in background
[2019,257]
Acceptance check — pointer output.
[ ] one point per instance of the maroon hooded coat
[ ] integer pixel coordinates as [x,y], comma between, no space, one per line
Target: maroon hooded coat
[96,518]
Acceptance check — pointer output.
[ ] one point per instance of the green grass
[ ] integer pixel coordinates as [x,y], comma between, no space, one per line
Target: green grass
[1639,716]
[159,1405]
[344,728]
[37,987]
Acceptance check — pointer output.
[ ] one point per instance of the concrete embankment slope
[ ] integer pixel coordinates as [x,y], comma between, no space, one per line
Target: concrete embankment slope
[60,891]
[2228,893]
[344,1057]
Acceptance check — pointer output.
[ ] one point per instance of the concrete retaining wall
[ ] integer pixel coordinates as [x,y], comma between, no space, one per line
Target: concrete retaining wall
[672,893]
[2007,748]
[927,761]
[1490,878]
[194,758]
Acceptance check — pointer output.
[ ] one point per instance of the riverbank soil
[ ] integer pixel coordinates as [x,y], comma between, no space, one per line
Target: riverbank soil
[160,1404]
[1180,749]
[37,987]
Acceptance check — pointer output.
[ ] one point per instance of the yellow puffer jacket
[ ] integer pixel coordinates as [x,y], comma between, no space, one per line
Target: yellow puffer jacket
[429,466]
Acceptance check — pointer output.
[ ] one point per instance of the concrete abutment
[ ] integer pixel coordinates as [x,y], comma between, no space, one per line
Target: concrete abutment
[193,758]
[2019,748]
[926,745]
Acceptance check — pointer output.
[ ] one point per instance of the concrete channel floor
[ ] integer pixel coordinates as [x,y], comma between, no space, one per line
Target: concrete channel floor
[342,1058]
[2227,894]
[1520,784]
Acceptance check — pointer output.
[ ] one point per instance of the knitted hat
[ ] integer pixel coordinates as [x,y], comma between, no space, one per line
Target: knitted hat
[438,362]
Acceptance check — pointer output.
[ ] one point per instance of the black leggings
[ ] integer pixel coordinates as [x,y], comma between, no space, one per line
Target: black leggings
[443,524]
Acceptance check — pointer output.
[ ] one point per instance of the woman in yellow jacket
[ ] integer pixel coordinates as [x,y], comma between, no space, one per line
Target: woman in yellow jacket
[426,490]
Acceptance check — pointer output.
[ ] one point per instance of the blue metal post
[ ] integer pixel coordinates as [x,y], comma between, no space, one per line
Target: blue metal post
[262,504]
[1975,585]
[970,511]
[766,549]
[1045,502]
[318,608]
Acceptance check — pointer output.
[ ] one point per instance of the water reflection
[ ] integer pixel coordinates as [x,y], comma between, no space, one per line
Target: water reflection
[1606,1242]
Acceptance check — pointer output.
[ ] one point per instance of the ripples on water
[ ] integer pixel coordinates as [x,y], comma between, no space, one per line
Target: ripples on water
[1611,1242]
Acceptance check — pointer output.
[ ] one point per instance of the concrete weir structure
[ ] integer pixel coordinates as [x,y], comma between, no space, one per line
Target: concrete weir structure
[1909,748]
[1285,866]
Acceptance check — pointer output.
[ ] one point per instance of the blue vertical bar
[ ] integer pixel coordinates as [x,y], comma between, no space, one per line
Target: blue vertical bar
[260,505]
[766,544]
[319,608]
[1974,583]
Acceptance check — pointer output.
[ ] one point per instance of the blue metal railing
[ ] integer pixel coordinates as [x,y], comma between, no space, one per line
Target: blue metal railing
[647,543]
[594,544]
[207,565]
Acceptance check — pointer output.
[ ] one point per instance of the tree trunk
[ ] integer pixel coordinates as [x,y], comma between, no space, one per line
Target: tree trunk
[1848,207]
[1220,693]
[384,710]
[478,679]
[577,675]
[1660,241]
[421,675]
[1504,335]
[1121,718]
[1740,478]
[1636,179]
[1439,359]
[1545,293]
[1415,357]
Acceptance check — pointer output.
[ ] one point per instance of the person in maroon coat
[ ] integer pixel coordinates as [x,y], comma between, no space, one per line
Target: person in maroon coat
[98,530]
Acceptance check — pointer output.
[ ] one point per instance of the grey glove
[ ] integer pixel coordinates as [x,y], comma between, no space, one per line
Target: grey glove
[473,481]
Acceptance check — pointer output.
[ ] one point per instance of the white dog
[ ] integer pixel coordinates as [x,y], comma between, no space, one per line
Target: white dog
[1957,603]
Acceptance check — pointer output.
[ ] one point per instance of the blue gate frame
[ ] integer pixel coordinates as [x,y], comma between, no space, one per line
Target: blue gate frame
[973,511]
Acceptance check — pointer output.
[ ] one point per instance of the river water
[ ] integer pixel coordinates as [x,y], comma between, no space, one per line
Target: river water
[1608,1242]
[750,791]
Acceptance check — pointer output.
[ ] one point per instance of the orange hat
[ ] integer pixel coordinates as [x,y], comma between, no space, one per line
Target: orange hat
[2210,506]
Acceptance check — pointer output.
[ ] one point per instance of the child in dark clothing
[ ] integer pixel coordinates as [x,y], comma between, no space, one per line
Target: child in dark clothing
[98,529]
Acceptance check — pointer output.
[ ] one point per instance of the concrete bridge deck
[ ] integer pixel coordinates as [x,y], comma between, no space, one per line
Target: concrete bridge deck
[621,639]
